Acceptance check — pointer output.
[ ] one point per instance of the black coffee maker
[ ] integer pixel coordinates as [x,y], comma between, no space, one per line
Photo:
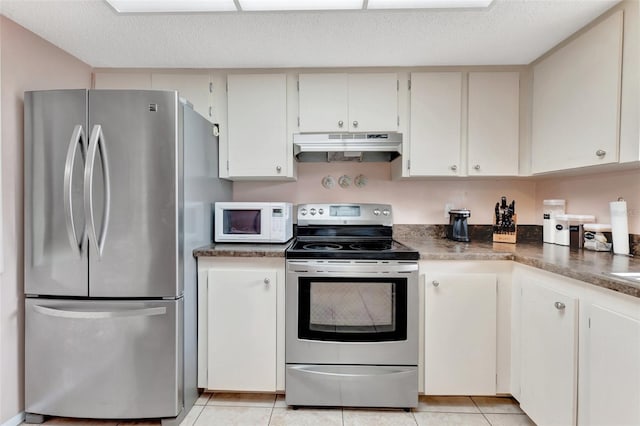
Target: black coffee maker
[458,229]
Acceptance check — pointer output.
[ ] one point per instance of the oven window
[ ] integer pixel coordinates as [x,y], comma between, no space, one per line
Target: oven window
[241,222]
[352,309]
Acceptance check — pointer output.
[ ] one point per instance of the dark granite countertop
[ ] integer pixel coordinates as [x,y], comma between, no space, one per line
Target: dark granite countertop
[582,265]
[242,250]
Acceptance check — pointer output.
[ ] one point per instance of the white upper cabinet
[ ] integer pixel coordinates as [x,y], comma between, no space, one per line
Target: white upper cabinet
[340,102]
[195,88]
[493,123]
[435,123]
[258,143]
[576,101]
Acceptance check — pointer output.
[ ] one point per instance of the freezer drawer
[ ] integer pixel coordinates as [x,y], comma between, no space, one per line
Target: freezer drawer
[352,385]
[103,359]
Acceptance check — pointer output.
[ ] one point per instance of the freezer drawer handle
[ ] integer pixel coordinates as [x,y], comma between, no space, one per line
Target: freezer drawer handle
[368,373]
[66,313]
[96,142]
[77,138]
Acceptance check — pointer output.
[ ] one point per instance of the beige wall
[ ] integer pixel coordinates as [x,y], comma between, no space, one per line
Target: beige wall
[591,194]
[423,201]
[28,63]
[414,201]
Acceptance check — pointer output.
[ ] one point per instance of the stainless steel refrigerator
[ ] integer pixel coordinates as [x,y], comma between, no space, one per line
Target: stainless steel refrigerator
[119,189]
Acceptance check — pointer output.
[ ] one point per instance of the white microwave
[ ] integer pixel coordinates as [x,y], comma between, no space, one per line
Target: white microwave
[253,222]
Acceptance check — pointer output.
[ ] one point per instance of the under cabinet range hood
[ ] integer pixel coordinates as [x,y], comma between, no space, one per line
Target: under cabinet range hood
[361,147]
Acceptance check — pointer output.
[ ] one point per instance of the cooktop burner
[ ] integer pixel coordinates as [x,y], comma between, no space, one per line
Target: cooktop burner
[322,246]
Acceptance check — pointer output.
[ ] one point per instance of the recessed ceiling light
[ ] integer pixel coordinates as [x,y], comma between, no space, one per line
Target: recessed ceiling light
[427,4]
[264,5]
[177,6]
[170,6]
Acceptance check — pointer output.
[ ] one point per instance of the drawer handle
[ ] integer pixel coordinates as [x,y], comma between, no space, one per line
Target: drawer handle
[340,123]
[601,153]
[267,281]
[81,314]
[476,167]
[559,306]
[454,167]
[435,283]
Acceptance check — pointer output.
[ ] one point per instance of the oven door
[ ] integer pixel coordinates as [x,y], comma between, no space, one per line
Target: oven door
[352,312]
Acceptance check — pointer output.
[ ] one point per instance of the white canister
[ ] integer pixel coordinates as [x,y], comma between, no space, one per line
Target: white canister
[568,225]
[551,209]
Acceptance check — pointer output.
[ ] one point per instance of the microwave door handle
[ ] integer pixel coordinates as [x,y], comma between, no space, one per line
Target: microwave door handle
[96,143]
[77,138]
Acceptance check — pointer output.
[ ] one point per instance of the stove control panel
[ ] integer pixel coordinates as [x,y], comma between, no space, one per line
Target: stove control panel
[345,214]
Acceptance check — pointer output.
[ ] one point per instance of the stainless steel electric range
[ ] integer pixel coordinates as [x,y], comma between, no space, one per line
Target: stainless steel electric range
[351,310]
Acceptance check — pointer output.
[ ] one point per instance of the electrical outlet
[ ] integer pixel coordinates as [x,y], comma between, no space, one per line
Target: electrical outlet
[447,207]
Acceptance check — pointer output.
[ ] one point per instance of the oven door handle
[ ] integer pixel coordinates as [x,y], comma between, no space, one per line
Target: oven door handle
[318,370]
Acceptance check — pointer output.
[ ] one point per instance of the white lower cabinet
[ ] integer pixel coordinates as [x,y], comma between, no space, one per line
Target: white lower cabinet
[460,333]
[610,394]
[244,307]
[575,351]
[549,348]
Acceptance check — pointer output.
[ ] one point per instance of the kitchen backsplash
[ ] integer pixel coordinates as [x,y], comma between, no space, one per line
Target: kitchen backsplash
[423,201]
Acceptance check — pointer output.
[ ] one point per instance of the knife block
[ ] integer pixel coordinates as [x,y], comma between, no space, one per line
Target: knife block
[501,235]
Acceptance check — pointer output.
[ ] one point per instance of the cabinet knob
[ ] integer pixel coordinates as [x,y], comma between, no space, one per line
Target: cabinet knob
[454,167]
[267,281]
[278,169]
[476,167]
[340,123]
[559,306]
[601,153]
[435,283]
[355,124]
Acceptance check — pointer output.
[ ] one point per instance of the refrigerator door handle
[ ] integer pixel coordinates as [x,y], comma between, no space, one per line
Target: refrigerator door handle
[96,142]
[77,138]
[84,314]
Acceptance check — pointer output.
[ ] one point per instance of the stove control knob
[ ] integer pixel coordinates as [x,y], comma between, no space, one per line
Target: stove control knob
[313,212]
[386,212]
[320,211]
[376,212]
[303,212]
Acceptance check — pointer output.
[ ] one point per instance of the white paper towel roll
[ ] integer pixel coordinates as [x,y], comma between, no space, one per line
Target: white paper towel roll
[619,227]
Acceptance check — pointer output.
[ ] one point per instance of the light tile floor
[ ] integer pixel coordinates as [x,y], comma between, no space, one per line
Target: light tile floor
[235,409]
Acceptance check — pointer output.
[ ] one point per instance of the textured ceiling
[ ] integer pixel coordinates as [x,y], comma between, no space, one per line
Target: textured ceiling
[509,32]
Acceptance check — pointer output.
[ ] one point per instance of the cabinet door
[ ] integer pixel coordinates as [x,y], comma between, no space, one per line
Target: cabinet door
[548,355]
[613,369]
[323,103]
[436,103]
[257,125]
[373,102]
[576,101]
[242,330]
[195,88]
[493,129]
[460,334]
